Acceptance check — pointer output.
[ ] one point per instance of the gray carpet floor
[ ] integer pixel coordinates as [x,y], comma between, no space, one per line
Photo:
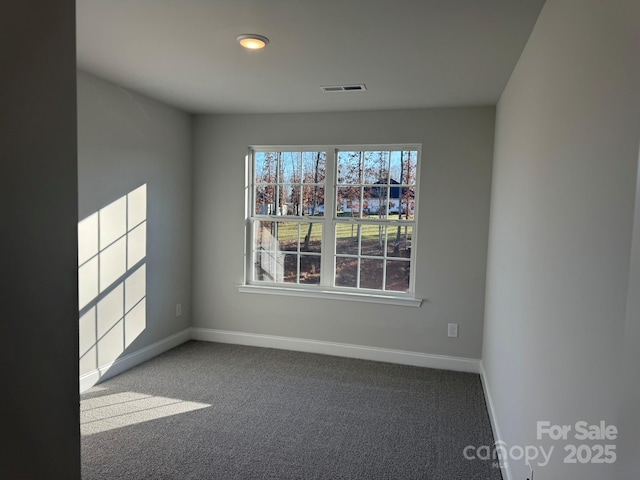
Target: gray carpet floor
[214,411]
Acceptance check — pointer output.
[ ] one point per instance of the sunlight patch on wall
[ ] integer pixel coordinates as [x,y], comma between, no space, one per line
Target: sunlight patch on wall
[112,246]
[129,408]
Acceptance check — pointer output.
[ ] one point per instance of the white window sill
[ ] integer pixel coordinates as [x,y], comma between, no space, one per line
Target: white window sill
[405,301]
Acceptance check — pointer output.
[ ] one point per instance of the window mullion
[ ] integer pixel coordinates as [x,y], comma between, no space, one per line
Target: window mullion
[298,254]
[358,271]
[384,254]
[327,269]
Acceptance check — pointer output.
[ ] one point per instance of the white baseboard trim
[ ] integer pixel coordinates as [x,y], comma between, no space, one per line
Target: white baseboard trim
[362,352]
[493,417]
[126,362]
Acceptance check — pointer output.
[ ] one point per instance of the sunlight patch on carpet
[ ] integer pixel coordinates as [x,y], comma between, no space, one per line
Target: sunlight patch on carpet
[118,410]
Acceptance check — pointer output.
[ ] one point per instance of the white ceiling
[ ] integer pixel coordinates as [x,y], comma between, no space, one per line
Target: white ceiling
[409,53]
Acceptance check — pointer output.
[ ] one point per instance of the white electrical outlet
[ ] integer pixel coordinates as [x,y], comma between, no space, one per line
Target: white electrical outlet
[453,330]
[178,309]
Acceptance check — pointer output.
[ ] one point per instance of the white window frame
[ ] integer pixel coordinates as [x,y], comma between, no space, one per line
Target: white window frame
[329,220]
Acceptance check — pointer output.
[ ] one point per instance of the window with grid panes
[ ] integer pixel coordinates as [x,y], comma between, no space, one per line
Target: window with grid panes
[334,218]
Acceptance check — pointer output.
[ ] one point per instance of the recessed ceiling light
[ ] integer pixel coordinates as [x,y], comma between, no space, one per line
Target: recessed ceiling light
[252,41]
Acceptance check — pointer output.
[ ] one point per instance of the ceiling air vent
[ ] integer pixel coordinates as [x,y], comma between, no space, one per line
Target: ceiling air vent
[343,88]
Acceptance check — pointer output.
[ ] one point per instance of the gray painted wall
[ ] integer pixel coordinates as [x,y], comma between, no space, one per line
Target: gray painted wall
[628,418]
[39,329]
[564,177]
[453,225]
[126,140]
